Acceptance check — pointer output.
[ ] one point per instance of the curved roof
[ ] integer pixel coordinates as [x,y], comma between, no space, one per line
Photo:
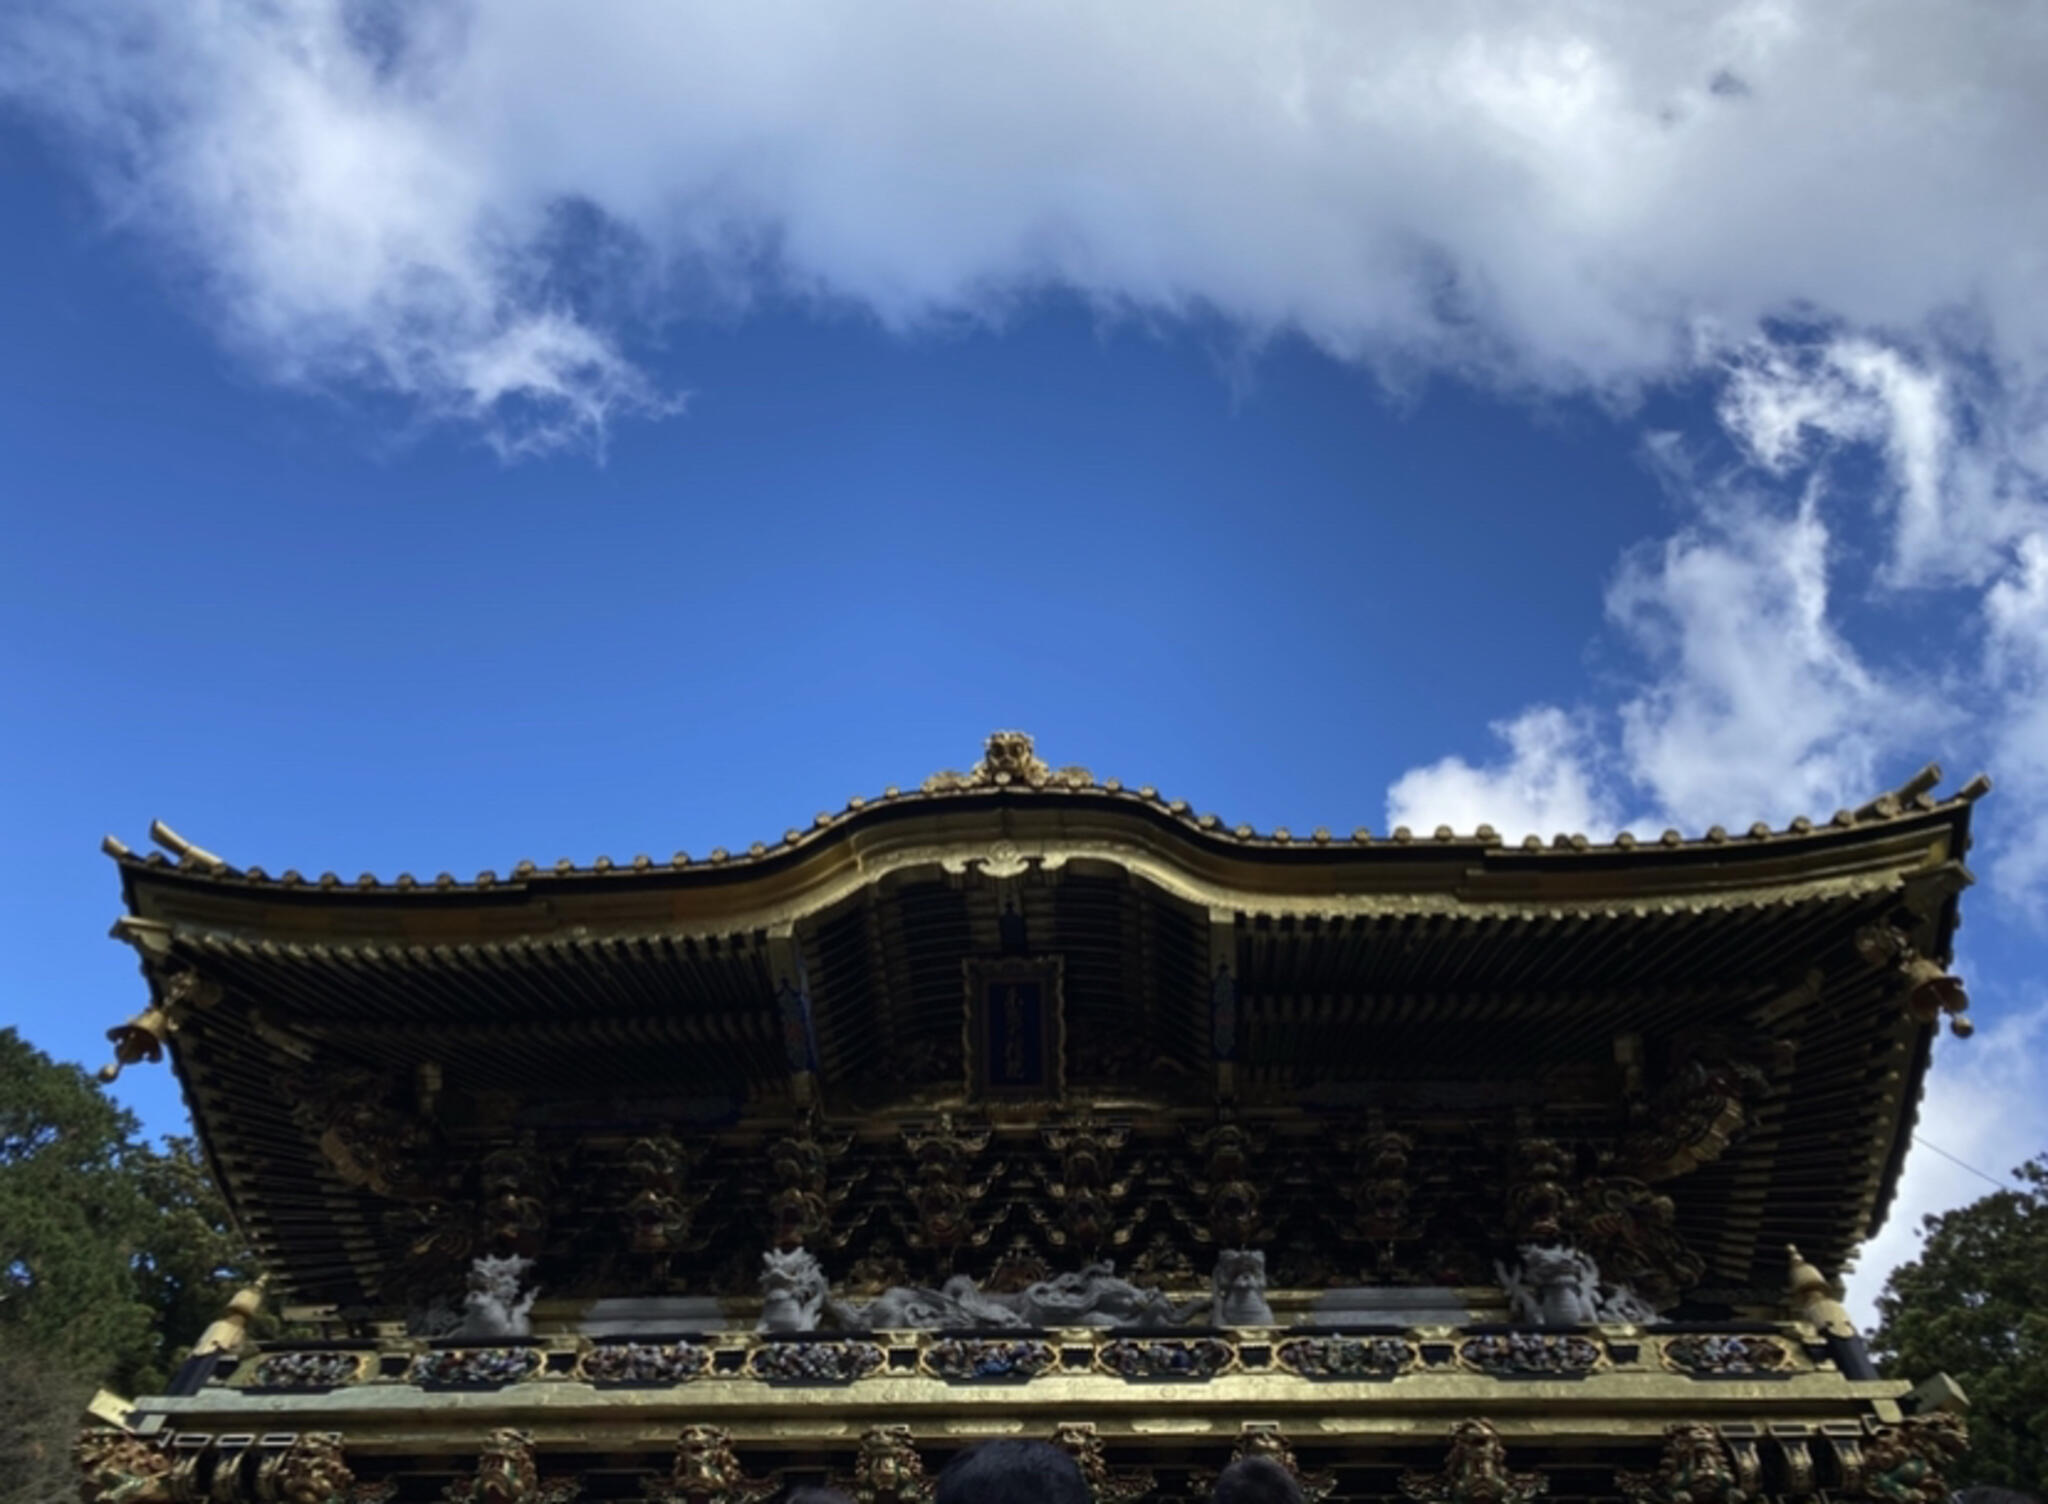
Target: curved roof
[1010,775]
[1370,970]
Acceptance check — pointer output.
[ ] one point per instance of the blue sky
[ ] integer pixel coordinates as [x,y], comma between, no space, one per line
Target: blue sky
[441,436]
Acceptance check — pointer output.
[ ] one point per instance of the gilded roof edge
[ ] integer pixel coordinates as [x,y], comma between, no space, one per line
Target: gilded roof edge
[1011,770]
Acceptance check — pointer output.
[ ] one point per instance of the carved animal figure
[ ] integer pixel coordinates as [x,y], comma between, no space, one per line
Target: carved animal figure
[495,1305]
[1557,1285]
[1092,1296]
[1238,1289]
[793,1291]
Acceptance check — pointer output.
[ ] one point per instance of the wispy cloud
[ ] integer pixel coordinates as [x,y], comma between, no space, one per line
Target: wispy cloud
[484,206]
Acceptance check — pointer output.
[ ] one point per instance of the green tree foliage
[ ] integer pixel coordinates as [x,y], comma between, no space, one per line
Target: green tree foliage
[114,1255]
[70,1213]
[1974,1305]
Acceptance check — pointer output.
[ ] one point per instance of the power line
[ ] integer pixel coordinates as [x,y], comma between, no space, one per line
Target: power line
[1962,1164]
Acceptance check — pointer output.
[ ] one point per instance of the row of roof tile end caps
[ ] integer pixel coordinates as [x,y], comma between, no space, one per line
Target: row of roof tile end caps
[1915,797]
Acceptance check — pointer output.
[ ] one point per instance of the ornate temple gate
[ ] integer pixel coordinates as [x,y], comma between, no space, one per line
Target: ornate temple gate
[1025,1104]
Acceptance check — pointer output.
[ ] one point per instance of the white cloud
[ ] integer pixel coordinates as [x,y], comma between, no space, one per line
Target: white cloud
[1986,1104]
[1548,784]
[2016,613]
[1554,193]
[1756,707]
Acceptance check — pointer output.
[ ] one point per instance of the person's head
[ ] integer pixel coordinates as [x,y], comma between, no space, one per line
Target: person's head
[1257,1480]
[1013,1472]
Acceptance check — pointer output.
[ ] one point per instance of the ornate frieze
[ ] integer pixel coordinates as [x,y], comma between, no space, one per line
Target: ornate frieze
[644,1362]
[989,1359]
[828,1361]
[1166,1357]
[1475,1472]
[475,1367]
[1341,1357]
[1726,1354]
[1695,1468]
[310,1370]
[1531,1354]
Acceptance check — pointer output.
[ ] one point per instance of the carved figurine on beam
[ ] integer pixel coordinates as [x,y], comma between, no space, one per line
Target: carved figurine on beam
[1228,1187]
[802,1209]
[1081,1441]
[1713,1085]
[660,1213]
[941,1193]
[1237,1291]
[1695,1469]
[314,1470]
[1631,1232]
[888,1470]
[1381,1189]
[1905,1463]
[1555,1282]
[368,1140]
[1088,1190]
[1475,1472]
[507,1473]
[793,1290]
[1925,986]
[707,1472]
[512,1209]
[115,1467]
[181,991]
[1265,1441]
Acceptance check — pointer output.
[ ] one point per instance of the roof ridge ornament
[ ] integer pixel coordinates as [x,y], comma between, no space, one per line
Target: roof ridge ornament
[1009,760]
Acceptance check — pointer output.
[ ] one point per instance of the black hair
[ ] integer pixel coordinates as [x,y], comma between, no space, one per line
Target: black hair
[1257,1480]
[1013,1472]
[815,1493]
[1987,1493]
